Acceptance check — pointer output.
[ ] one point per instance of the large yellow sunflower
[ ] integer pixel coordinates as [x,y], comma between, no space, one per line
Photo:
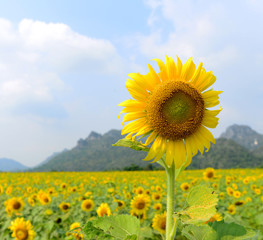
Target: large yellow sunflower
[22,230]
[171,108]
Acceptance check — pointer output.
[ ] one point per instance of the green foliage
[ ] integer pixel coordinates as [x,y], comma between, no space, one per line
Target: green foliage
[193,232]
[119,227]
[231,231]
[201,202]
[133,144]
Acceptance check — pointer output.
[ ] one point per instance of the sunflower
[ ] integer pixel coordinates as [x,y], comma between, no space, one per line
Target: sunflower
[209,173]
[159,222]
[75,229]
[185,186]
[22,230]
[141,216]
[231,209]
[140,203]
[158,206]
[14,205]
[121,204]
[43,198]
[217,217]
[64,207]
[171,108]
[1,189]
[237,194]
[139,190]
[156,196]
[87,205]
[239,203]
[103,210]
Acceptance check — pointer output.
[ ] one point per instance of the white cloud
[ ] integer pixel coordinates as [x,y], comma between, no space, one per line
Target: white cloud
[35,54]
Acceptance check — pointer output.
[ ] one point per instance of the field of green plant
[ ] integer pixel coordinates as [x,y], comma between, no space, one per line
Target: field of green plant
[49,205]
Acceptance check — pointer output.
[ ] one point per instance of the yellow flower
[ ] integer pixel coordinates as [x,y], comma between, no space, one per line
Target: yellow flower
[120,203]
[209,173]
[76,231]
[141,216]
[158,206]
[156,196]
[43,198]
[140,204]
[48,212]
[139,190]
[103,210]
[257,191]
[248,199]
[159,222]
[185,186]
[87,205]
[239,203]
[229,191]
[172,108]
[64,207]
[217,217]
[14,205]
[22,230]
[231,209]
[221,195]
[237,194]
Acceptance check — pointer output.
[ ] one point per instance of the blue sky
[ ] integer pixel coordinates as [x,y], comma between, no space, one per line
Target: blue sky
[63,64]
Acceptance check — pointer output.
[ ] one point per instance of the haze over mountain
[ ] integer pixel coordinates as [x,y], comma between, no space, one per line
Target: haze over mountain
[234,149]
[9,165]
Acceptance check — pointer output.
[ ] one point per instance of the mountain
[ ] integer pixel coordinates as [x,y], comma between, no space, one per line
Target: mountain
[244,135]
[226,153]
[9,165]
[50,157]
[96,153]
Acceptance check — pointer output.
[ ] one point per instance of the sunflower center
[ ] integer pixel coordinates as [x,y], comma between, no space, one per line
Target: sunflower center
[210,175]
[65,207]
[17,205]
[140,205]
[163,224]
[103,212]
[21,234]
[88,205]
[175,110]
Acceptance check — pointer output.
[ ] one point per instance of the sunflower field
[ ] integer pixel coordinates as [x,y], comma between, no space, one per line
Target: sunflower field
[49,205]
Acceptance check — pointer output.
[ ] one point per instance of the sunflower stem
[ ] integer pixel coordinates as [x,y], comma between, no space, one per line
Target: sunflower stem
[170,201]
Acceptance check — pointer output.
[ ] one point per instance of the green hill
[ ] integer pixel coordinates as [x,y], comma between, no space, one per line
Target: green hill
[96,153]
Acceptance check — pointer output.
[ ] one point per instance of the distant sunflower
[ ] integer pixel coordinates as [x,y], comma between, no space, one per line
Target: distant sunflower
[75,230]
[103,210]
[209,173]
[121,204]
[172,109]
[14,204]
[64,207]
[231,209]
[43,198]
[159,222]
[239,203]
[217,217]
[185,186]
[87,205]
[22,230]
[237,194]
[156,196]
[140,203]
[158,206]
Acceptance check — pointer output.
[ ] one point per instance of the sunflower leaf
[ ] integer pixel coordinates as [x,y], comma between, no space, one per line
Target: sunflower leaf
[232,231]
[201,202]
[118,227]
[193,232]
[133,144]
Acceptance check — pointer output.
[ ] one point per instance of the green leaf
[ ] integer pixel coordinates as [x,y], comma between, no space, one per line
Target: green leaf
[131,144]
[193,232]
[259,219]
[146,232]
[120,226]
[201,202]
[91,232]
[231,231]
